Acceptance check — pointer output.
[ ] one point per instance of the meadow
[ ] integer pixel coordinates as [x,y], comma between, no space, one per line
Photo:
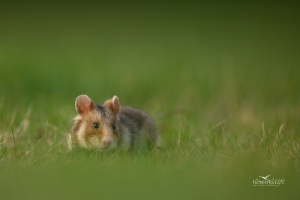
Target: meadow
[220,80]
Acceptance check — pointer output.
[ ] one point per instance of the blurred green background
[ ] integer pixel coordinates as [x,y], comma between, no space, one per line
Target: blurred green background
[232,66]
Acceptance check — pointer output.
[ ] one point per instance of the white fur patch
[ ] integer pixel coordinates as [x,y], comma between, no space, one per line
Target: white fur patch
[80,136]
[77,118]
[94,142]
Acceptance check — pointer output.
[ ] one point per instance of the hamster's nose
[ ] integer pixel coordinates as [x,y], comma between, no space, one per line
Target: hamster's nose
[107,142]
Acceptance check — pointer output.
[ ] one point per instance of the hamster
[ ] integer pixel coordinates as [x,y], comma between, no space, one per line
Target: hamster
[111,126]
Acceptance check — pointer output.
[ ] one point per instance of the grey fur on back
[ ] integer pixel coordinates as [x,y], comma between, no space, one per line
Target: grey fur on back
[139,125]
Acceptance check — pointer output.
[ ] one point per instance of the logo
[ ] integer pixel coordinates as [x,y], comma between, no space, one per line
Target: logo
[265,181]
[266,177]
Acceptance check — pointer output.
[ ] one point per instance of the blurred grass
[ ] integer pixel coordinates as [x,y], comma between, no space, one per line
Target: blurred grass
[233,67]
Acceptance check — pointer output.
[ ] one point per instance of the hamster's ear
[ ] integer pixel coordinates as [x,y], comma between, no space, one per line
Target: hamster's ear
[83,104]
[113,104]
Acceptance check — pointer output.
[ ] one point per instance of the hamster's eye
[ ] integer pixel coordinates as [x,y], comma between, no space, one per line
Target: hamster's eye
[96,125]
[114,126]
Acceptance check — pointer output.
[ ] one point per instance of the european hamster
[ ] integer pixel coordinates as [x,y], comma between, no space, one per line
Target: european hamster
[111,126]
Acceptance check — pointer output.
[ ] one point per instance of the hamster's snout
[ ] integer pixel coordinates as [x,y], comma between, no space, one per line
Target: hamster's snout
[107,142]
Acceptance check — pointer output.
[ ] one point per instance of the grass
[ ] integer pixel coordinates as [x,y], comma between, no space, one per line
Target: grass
[233,73]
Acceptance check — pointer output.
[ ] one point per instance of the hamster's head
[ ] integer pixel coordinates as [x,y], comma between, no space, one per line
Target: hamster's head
[95,126]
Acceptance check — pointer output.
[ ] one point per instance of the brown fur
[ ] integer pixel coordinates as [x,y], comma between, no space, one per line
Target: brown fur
[123,127]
